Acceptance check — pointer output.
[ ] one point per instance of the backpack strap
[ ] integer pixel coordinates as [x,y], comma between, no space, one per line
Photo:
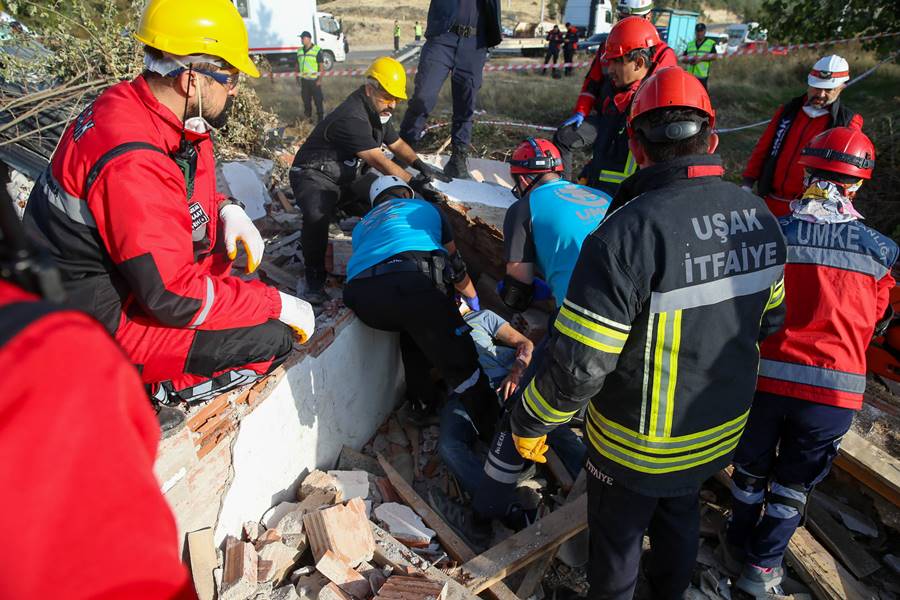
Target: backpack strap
[115,152]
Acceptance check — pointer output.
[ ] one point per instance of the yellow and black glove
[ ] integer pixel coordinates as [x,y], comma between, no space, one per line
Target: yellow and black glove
[532,448]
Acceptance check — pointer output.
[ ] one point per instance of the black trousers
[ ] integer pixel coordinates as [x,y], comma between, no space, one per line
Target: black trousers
[311,92]
[617,520]
[568,57]
[318,196]
[432,333]
[551,55]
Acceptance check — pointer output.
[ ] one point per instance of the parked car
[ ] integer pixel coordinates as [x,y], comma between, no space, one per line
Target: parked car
[593,43]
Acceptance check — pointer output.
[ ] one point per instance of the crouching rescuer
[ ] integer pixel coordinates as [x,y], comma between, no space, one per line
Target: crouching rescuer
[401,277]
[668,300]
[128,209]
[812,374]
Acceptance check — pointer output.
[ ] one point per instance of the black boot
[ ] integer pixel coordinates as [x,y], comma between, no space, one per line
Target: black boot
[456,167]
[171,420]
[315,288]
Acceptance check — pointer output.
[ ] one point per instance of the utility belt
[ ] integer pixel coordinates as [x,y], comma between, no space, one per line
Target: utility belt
[433,265]
[463,31]
[339,171]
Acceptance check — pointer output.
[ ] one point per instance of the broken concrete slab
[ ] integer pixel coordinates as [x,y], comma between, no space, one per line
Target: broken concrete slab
[239,577]
[291,529]
[333,592]
[252,531]
[338,571]
[352,484]
[276,513]
[281,559]
[268,537]
[404,524]
[203,562]
[400,587]
[343,529]
[318,482]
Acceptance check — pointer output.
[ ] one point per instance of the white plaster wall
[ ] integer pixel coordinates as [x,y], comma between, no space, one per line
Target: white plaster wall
[339,398]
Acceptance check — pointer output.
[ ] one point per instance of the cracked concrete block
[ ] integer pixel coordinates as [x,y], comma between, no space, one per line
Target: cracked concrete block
[291,528]
[339,572]
[252,531]
[280,558]
[333,592]
[285,592]
[318,481]
[274,514]
[352,484]
[404,524]
[344,529]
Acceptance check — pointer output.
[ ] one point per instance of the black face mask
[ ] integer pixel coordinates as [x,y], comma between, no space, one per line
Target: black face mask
[219,121]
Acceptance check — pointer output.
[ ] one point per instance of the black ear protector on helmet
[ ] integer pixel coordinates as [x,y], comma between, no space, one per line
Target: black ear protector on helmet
[673,132]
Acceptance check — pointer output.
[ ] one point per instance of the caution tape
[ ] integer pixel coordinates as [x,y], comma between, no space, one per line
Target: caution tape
[530,66]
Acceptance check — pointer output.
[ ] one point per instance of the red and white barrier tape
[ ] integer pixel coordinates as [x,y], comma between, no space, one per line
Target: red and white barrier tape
[530,66]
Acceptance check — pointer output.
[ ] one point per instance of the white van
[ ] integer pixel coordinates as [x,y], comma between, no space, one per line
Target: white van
[589,16]
[275,26]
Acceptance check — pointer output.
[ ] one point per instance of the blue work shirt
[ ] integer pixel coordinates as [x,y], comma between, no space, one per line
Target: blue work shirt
[495,360]
[548,227]
[393,227]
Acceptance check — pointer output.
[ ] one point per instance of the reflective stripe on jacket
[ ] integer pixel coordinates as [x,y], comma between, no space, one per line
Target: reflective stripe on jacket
[699,69]
[838,282]
[660,326]
[308,61]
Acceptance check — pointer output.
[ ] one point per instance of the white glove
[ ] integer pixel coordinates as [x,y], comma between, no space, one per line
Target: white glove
[298,315]
[239,227]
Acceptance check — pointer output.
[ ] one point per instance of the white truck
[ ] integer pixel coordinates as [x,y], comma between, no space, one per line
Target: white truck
[274,27]
[589,16]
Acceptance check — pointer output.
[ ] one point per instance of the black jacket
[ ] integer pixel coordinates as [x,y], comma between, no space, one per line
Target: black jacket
[442,16]
[659,329]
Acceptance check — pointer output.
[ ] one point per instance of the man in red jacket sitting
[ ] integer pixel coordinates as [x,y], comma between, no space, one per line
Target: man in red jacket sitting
[128,209]
[773,164]
[812,373]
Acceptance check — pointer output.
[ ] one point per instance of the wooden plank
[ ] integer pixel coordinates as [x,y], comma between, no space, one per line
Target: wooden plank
[455,546]
[525,547]
[559,471]
[390,552]
[838,540]
[828,579]
[871,466]
[202,553]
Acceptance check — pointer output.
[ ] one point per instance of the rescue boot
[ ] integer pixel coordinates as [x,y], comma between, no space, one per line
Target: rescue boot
[759,582]
[461,519]
[456,167]
[171,420]
[314,290]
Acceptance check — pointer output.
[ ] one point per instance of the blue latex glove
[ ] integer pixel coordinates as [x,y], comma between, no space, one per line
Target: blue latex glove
[542,291]
[577,119]
[473,303]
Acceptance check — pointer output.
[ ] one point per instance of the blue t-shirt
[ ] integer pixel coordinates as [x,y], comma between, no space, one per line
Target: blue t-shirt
[495,360]
[549,226]
[396,226]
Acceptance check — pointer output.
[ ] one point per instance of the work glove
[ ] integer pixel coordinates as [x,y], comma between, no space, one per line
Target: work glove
[239,228]
[421,184]
[298,315]
[473,303]
[429,171]
[532,448]
[576,120]
[542,291]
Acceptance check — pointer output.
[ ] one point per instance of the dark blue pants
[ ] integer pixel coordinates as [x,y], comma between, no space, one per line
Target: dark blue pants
[787,448]
[443,55]
[617,520]
[456,446]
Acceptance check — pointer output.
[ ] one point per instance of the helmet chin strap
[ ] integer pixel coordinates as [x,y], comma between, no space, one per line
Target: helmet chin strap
[532,181]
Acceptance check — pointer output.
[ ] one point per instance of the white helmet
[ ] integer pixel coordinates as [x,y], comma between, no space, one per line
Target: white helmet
[634,7]
[386,182]
[829,72]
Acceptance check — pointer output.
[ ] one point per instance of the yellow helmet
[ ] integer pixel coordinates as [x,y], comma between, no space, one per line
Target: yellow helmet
[390,74]
[184,27]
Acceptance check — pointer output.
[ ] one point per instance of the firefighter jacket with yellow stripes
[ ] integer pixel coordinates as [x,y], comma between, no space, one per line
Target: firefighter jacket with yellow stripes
[612,161]
[660,328]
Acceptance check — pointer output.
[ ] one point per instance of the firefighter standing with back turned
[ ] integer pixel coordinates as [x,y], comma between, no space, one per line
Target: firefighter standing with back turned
[128,209]
[667,303]
[812,374]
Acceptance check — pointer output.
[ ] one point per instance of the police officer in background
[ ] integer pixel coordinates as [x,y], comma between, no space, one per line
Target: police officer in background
[328,168]
[700,46]
[310,62]
[402,275]
[457,37]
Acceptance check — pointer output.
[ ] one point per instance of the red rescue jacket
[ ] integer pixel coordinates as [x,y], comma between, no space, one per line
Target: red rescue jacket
[787,177]
[663,56]
[118,221]
[78,439]
[837,285]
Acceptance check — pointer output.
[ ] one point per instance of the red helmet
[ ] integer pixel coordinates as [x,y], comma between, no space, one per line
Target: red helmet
[535,155]
[840,150]
[672,87]
[630,34]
